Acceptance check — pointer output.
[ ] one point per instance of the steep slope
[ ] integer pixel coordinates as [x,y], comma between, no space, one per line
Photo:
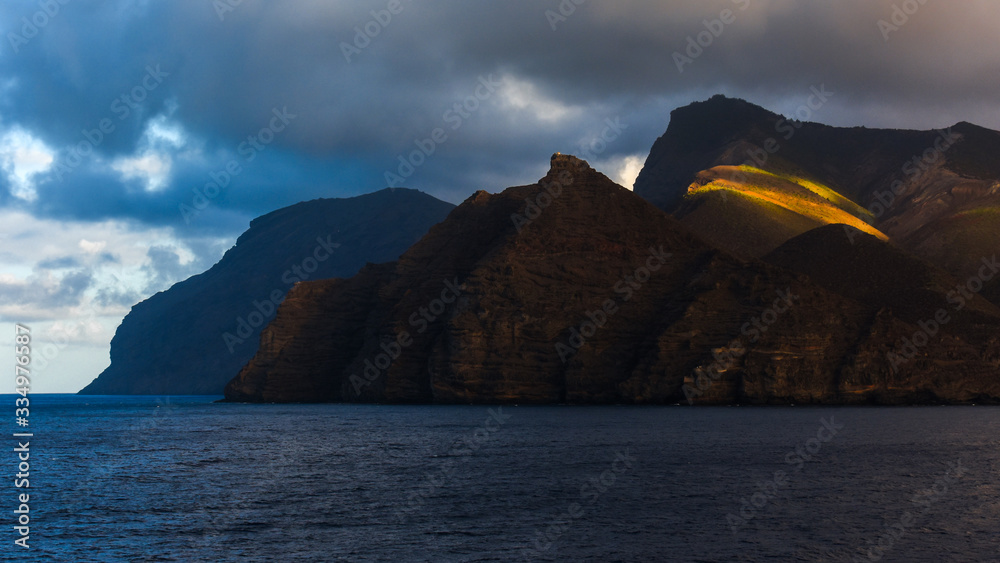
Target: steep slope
[926,190]
[878,274]
[191,338]
[574,290]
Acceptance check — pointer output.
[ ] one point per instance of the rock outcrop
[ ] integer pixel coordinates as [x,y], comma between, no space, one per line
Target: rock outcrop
[575,290]
[193,337]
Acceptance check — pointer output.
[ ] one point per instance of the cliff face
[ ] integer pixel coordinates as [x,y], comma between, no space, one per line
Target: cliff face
[576,290]
[191,338]
[935,194]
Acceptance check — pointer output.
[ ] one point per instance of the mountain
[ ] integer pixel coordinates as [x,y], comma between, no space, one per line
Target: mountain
[576,290]
[192,338]
[747,180]
[876,273]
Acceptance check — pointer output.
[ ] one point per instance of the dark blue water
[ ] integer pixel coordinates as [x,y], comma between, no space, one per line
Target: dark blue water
[182,479]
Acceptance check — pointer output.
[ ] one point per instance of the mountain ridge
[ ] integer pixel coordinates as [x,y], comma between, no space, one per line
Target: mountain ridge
[489,301]
[919,187]
[584,293]
[191,338]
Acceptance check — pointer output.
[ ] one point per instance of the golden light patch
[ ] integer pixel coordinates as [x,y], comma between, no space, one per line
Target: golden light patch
[798,195]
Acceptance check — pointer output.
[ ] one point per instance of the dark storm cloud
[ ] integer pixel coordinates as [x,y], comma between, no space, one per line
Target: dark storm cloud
[220,80]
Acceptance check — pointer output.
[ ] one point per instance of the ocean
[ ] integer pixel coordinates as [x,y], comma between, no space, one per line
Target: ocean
[187,479]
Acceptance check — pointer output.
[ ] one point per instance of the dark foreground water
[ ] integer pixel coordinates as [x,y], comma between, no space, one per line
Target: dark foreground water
[182,479]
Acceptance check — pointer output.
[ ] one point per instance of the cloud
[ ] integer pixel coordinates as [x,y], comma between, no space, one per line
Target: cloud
[166,266]
[42,291]
[117,298]
[92,247]
[183,90]
[116,265]
[21,158]
[626,169]
[518,94]
[59,263]
[153,168]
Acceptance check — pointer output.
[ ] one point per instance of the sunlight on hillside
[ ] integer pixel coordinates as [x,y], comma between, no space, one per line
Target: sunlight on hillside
[820,190]
[798,195]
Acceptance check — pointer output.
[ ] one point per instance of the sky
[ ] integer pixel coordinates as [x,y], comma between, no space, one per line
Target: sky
[139,138]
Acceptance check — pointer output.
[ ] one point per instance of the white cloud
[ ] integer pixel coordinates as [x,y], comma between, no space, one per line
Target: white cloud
[92,247]
[161,129]
[153,160]
[628,170]
[21,157]
[523,95]
[623,169]
[151,166]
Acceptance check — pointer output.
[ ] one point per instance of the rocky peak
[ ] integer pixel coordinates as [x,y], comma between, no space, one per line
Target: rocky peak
[560,161]
[566,163]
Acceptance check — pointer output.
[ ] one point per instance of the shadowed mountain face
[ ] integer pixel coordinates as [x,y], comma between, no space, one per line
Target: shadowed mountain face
[192,338]
[576,290]
[880,275]
[933,193]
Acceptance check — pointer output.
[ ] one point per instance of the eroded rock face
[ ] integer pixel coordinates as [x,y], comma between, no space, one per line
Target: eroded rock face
[575,290]
[191,338]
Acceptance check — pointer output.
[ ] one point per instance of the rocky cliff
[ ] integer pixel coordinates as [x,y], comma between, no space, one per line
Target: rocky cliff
[575,290]
[192,338]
